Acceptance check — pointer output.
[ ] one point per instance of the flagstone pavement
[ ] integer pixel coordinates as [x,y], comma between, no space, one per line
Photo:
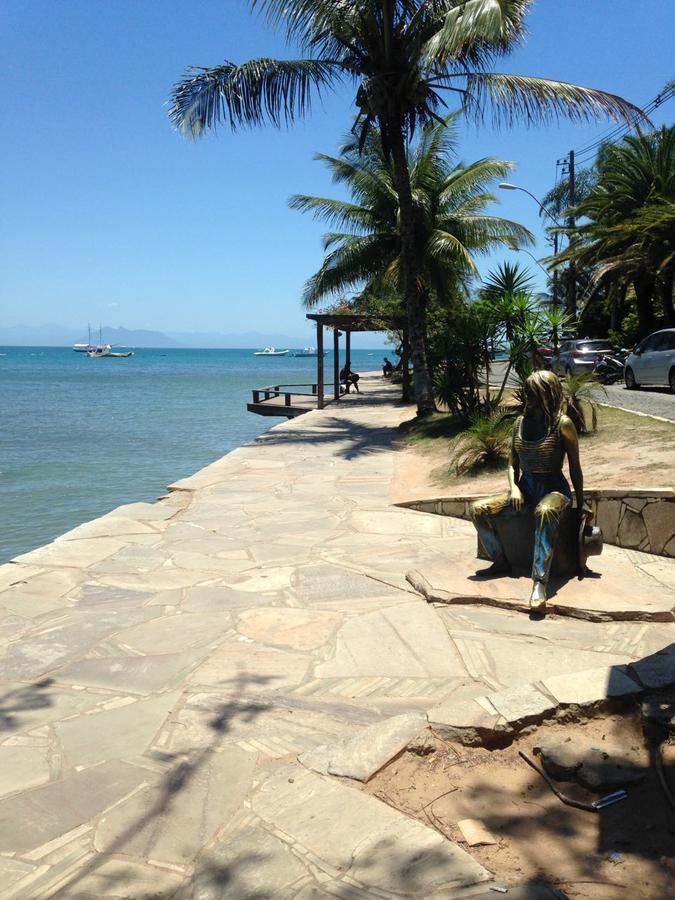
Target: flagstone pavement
[163,667]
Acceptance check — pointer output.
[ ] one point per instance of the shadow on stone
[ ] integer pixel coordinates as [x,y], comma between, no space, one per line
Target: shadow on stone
[22,699]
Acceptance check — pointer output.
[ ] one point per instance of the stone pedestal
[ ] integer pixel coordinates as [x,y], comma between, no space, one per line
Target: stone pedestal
[517,537]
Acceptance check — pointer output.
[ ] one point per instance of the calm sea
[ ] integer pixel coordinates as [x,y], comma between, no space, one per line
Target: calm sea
[80,436]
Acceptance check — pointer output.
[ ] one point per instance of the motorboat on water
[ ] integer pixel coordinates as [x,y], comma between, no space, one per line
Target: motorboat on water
[108,352]
[270,351]
[308,351]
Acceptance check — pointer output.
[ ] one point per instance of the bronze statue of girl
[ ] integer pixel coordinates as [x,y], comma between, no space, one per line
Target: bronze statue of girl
[541,438]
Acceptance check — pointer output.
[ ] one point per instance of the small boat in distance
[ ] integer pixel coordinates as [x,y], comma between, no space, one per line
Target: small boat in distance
[308,351]
[107,351]
[85,348]
[270,351]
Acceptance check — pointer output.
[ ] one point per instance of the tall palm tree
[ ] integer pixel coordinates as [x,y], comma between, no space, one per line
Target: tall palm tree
[452,226]
[626,233]
[401,56]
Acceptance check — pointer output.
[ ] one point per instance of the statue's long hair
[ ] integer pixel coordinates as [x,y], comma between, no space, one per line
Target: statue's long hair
[543,390]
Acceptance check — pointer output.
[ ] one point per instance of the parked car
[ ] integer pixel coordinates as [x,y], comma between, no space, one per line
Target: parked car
[545,355]
[652,361]
[579,355]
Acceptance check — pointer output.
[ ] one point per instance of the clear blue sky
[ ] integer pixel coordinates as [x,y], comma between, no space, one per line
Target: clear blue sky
[108,215]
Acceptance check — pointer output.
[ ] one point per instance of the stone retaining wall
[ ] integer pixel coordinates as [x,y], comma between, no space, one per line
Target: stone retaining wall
[639,519]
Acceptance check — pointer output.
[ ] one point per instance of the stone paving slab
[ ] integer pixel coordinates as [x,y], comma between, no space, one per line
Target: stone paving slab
[620,588]
[163,667]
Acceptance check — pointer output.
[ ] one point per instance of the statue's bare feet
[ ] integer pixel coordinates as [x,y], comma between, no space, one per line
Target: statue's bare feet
[500,567]
[538,597]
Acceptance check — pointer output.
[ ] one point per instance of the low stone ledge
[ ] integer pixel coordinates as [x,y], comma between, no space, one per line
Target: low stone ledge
[634,518]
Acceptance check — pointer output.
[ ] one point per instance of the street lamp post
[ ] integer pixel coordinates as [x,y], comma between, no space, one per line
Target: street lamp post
[507,186]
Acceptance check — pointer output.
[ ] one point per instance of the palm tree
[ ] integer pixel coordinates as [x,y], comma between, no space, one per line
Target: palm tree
[626,233]
[401,56]
[452,227]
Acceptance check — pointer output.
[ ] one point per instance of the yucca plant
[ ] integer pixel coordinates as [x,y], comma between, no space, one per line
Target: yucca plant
[580,389]
[485,442]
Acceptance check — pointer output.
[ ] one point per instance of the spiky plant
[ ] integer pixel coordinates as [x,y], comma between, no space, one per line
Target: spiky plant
[485,442]
[579,389]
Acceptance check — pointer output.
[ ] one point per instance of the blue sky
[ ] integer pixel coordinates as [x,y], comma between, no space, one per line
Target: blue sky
[108,215]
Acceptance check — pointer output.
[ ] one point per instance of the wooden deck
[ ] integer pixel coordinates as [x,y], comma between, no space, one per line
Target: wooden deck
[289,400]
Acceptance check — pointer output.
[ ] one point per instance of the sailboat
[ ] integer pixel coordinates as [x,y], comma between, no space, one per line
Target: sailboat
[106,350]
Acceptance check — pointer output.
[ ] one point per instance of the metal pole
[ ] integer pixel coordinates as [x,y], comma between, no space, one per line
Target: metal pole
[336,363]
[348,349]
[319,365]
[555,271]
[572,298]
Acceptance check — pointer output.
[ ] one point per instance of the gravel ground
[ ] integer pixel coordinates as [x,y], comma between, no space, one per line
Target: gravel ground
[653,401]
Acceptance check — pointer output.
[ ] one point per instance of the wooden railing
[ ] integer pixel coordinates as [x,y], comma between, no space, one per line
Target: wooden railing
[260,395]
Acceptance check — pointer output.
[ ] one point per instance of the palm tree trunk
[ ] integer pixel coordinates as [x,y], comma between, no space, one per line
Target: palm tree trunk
[667,283]
[644,286]
[414,301]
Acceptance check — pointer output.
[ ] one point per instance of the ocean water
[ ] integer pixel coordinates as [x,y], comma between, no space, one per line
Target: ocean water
[80,436]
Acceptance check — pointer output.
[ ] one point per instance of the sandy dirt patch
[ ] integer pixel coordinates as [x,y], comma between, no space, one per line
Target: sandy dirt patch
[625,850]
[626,451]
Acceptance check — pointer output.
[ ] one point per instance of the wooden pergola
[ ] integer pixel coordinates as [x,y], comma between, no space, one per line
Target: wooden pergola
[290,400]
[347,323]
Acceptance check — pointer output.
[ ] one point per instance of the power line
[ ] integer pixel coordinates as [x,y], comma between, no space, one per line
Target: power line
[618,131]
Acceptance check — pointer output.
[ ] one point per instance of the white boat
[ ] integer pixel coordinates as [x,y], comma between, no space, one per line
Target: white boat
[270,351]
[308,351]
[85,348]
[107,351]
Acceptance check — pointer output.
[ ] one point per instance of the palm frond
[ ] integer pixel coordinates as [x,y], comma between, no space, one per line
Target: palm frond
[258,91]
[535,100]
[337,213]
[472,25]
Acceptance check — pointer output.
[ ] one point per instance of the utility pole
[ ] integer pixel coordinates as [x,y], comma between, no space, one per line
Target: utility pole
[572,271]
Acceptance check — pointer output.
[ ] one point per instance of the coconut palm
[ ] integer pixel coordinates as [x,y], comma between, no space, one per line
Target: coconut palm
[626,234]
[452,226]
[401,56]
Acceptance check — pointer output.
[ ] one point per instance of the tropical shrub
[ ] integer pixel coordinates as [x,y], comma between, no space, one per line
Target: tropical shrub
[485,442]
[580,389]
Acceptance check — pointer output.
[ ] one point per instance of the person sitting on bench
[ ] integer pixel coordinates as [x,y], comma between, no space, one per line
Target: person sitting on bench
[387,367]
[349,378]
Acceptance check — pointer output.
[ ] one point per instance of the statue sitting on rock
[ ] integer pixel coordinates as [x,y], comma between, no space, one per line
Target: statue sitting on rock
[541,439]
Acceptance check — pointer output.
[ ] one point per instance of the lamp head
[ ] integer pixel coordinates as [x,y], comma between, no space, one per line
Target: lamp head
[505,186]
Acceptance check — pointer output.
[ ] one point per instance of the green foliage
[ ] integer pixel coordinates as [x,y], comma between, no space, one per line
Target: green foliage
[626,233]
[582,390]
[458,341]
[401,56]
[365,249]
[485,442]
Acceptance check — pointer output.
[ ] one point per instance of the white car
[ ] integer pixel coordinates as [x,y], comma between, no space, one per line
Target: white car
[652,361]
[579,356]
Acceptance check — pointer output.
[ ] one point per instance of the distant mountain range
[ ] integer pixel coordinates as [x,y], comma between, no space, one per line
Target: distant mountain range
[60,336]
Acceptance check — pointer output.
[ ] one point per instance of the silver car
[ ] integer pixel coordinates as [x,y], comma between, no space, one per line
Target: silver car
[652,361]
[579,356]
